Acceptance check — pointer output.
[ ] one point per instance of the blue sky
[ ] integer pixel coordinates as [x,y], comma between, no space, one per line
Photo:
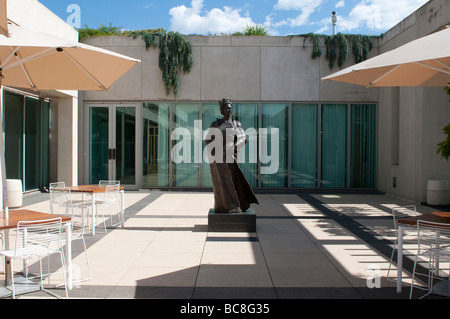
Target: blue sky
[215,17]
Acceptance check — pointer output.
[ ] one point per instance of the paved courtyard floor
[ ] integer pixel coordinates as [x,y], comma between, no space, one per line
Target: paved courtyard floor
[307,246]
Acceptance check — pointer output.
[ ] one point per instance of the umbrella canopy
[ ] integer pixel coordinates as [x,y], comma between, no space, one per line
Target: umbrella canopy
[3,18]
[422,62]
[41,62]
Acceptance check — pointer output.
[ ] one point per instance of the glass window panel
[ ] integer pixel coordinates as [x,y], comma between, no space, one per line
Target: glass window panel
[304,146]
[98,144]
[210,112]
[247,114]
[45,107]
[274,168]
[334,145]
[32,143]
[155,144]
[186,144]
[126,145]
[363,147]
[13,123]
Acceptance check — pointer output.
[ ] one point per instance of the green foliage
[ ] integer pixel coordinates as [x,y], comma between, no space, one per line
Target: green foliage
[101,31]
[360,45]
[337,47]
[256,30]
[336,44]
[148,35]
[315,39]
[175,53]
[444,146]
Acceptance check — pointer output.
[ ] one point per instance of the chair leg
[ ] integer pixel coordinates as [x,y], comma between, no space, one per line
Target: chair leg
[412,278]
[390,261]
[103,215]
[87,259]
[64,274]
[63,266]
[12,279]
[87,262]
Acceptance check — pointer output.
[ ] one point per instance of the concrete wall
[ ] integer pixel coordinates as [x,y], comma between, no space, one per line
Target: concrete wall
[407,145]
[243,68]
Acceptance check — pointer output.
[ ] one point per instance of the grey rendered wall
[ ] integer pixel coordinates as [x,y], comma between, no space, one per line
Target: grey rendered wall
[242,68]
[423,112]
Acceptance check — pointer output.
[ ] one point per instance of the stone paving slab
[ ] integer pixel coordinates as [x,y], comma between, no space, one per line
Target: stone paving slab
[307,246]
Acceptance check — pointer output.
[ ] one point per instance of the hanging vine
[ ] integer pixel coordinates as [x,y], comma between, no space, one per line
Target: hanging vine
[175,53]
[361,43]
[337,47]
[444,147]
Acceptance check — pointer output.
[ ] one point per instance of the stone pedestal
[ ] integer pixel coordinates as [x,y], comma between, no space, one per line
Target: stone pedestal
[232,222]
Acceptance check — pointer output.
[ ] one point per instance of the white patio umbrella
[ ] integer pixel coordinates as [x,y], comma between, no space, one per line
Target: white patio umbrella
[422,62]
[41,62]
[3,18]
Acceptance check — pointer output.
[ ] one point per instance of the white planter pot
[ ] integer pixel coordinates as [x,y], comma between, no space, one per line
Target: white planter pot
[438,192]
[14,187]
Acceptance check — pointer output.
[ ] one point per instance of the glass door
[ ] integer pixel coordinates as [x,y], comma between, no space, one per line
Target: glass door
[112,144]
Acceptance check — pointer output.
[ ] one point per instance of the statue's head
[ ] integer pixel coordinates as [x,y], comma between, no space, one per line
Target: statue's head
[225,105]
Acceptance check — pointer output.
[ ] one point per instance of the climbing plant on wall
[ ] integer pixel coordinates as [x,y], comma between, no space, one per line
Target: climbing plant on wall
[444,147]
[337,47]
[175,53]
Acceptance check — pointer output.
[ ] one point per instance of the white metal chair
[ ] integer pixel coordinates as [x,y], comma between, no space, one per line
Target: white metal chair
[37,239]
[57,198]
[105,182]
[433,247]
[398,213]
[80,226]
[111,198]
[60,196]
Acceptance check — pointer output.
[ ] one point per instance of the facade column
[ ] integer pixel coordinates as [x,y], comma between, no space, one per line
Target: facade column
[67,161]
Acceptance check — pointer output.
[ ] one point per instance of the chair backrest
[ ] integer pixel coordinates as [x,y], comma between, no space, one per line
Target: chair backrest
[39,236]
[57,184]
[54,193]
[61,196]
[400,212]
[79,222]
[112,192]
[432,236]
[105,182]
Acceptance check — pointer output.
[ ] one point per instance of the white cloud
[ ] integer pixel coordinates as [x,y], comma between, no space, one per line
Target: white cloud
[340,4]
[378,14]
[216,21]
[290,4]
[307,8]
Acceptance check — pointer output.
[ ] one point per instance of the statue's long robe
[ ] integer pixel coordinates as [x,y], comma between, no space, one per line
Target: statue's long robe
[232,192]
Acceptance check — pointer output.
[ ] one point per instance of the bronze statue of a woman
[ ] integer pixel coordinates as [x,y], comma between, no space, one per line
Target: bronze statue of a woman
[232,193]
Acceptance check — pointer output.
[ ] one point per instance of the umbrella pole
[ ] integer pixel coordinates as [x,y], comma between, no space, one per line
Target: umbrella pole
[4,186]
[2,155]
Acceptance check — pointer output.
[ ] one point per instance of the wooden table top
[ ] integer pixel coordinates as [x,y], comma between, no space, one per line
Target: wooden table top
[89,188]
[435,217]
[16,216]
